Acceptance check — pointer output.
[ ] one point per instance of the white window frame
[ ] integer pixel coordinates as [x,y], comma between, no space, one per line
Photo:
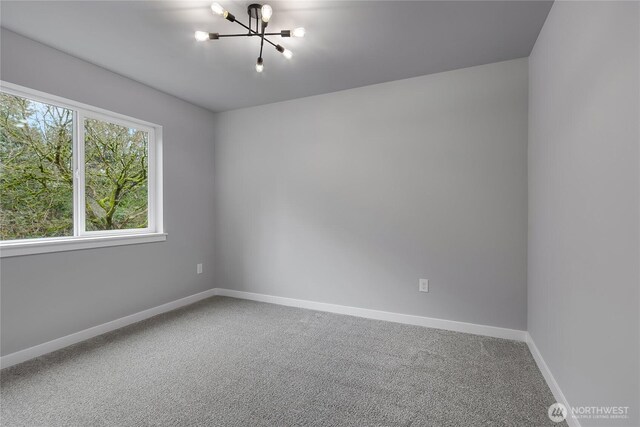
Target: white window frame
[83,239]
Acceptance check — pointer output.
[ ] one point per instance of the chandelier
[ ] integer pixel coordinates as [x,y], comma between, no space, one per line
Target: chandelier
[259,16]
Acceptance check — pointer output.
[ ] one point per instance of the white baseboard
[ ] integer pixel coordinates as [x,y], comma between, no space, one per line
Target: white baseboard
[450,325]
[429,322]
[551,381]
[57,344]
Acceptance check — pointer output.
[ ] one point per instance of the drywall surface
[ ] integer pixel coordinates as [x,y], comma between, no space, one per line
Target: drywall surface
[584,203]
[351,197]
[48,296]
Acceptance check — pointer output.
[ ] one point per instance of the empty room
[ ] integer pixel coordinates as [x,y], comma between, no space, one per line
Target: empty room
[320,213]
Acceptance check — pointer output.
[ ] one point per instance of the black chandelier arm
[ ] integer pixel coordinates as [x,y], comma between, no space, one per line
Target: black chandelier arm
[252,32]
[249,35]
[262,40]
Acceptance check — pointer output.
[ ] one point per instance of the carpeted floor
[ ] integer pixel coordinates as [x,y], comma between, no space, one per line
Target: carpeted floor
[229,362]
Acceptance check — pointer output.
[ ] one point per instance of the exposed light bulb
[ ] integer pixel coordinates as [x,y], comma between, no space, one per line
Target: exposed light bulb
[259,65]
[266,12]
[298,32]
[217,9]
[287,53]
[201,36]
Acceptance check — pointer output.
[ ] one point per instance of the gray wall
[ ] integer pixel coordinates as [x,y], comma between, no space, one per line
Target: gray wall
[51,295]
[350,197]
[583,202]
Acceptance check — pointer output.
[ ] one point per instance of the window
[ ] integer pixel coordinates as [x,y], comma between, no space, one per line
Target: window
[74,176]
[115,176]
[36,181]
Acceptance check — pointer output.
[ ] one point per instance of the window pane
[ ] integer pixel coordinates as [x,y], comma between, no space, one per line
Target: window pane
[116,171]
[36,180]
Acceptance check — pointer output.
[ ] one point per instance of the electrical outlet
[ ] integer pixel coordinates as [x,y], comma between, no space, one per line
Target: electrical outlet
[199,269]
[423,285]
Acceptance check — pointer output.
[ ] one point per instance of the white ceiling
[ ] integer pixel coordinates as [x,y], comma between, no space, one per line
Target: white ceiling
[348,44]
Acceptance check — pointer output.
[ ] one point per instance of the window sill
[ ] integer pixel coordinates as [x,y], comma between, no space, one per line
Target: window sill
[75,243]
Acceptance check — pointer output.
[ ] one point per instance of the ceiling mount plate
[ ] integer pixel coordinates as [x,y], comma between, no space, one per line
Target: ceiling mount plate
[254,10]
